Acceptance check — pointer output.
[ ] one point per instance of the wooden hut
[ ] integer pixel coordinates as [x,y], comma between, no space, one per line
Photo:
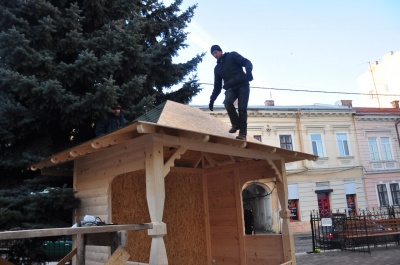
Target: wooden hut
[179,169]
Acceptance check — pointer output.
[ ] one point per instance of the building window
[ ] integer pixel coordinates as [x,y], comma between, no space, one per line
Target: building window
[293,202]
[383,195]
[351,204]
[293,206]
[316,143]
[395,192]
[342,144]
[386,150]
[380,147]
[286,142]
[350,190]
[257,137]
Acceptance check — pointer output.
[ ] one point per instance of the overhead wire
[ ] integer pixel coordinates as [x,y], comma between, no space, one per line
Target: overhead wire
[317,91]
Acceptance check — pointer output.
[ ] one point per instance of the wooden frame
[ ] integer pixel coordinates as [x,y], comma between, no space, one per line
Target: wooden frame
[184,143]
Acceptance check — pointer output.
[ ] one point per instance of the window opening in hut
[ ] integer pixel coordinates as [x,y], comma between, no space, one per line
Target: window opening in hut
[257,209]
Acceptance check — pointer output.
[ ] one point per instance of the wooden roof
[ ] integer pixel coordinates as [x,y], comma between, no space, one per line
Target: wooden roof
[205,140]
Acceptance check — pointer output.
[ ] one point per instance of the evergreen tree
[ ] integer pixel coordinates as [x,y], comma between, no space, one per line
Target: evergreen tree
[65,63]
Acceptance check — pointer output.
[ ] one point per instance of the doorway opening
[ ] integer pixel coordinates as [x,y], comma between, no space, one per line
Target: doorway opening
[257,209]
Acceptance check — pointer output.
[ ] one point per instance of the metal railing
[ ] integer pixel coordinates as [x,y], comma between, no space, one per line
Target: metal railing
[355,231]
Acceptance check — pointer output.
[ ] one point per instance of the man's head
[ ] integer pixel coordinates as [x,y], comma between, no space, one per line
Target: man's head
[216,51]
[117,109]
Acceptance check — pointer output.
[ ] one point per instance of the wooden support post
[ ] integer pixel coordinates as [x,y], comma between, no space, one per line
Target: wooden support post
[287,237]
[239,214]
[155,193]
[80,255]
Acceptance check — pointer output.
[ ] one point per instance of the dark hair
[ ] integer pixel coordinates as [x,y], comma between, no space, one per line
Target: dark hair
[215,48]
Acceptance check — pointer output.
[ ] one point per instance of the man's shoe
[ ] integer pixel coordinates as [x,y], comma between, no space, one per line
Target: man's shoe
[241,137]
[234,129]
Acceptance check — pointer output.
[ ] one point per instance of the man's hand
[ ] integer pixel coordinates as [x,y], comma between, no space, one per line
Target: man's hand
[211,105]
[249,76]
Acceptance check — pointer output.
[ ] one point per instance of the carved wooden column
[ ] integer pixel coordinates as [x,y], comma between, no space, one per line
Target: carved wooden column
[287,237]
[155,193]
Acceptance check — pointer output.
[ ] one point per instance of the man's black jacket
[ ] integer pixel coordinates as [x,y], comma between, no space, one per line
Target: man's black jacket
[230,69]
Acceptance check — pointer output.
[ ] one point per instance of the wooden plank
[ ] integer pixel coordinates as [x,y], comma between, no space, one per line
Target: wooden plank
[225,260]
[67,257]
[114,162]
[216,148]
[239,215]
[71,231]
[222,202]
[100,255]
[91,193]
[94,201]
[206,217]
[118,257]
[135,146]
[93,210]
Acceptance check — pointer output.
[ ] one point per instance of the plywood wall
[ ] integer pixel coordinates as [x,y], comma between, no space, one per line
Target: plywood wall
[183,214]
[129,206]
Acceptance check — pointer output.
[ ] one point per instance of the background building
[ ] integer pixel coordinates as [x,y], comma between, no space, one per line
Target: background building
[381,77]
[335,181]
[378,141]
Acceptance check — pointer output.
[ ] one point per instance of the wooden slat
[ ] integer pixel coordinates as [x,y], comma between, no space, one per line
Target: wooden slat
[118,257]
[71,231]
[68,257]
[97,254]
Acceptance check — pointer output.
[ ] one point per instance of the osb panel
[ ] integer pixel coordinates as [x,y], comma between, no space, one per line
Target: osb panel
[184,215]
[129,206]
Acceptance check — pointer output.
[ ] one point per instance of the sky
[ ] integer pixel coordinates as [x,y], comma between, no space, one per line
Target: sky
[315,45]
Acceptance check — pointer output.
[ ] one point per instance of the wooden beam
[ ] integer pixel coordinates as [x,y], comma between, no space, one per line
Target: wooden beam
[146,128]
[56,172]
[112,139]
[198,160]
[229,141]
[119,257]
[279,176]
[59,158]
[67,257]
[217,148]
[211,160]
[71,231]
[239,215]
[81,150]
[170,163]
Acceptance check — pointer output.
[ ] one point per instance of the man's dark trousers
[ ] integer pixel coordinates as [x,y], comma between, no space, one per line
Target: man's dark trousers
[242,94]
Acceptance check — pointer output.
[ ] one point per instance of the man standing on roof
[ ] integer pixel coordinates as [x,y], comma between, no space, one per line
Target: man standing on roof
[111,122]
[229,68]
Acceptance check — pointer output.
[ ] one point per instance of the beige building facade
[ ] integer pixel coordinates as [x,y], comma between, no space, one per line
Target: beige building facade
[335,180]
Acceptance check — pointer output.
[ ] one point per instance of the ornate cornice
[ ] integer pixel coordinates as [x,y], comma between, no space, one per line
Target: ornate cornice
[383,118]
[286,114]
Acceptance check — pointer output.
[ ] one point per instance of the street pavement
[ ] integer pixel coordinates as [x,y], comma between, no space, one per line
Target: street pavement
[383,255]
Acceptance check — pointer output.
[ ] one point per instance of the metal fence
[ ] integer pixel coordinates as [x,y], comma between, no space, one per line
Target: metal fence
[354,231]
